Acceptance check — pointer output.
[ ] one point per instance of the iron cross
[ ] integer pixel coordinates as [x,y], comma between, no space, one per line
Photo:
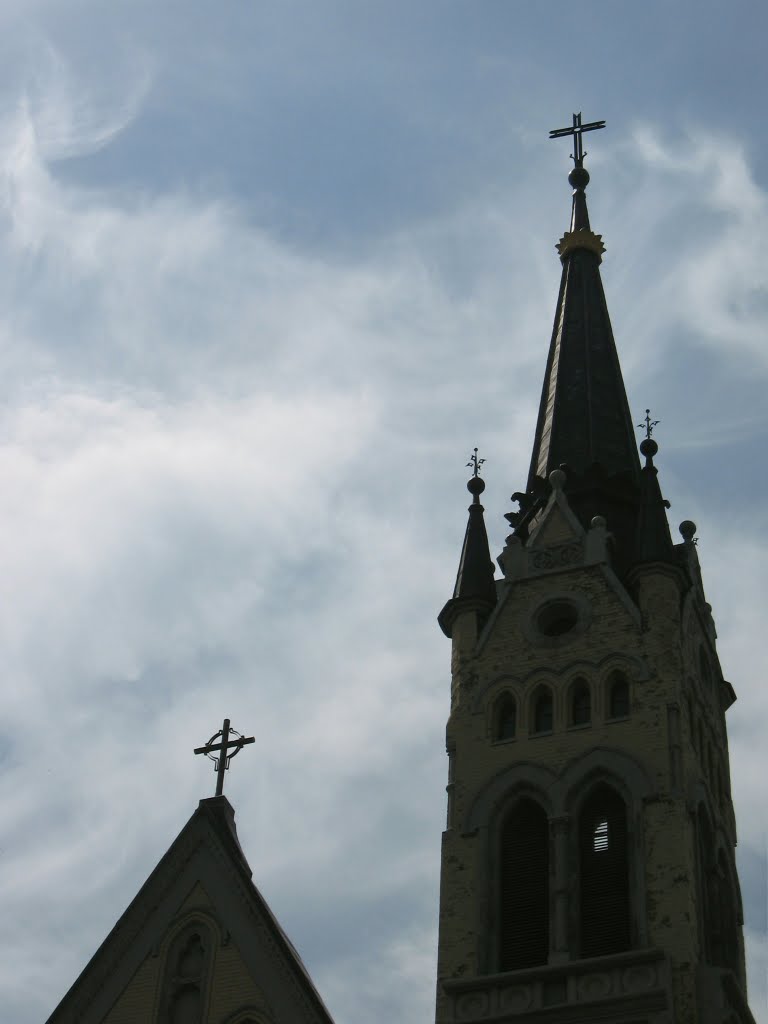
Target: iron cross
[648,424]
[577,129]
[221,762]
[475,463]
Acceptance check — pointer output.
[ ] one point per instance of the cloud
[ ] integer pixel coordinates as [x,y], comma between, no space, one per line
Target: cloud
[233,484]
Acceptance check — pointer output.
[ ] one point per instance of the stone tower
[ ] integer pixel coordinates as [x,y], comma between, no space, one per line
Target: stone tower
[588,869]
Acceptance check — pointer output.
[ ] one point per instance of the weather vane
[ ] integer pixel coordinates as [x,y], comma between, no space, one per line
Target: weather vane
[475,463]
[221,762]
[577,129]
[648,424]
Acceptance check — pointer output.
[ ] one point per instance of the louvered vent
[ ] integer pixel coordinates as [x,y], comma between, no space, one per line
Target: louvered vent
[605,918]
[524,897]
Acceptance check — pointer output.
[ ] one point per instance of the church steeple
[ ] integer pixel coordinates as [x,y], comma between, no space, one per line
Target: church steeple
[475,589]
[584,423]
[588,867]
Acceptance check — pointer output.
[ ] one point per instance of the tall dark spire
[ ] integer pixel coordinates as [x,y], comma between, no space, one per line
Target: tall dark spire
[475,589]
[584,418]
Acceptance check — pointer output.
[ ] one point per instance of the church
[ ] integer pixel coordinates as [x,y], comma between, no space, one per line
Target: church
[588,862]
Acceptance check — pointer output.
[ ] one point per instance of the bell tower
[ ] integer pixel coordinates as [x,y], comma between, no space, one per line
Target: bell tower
[588,868]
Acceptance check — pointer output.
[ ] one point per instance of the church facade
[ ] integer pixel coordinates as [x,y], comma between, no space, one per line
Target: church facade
[588,868]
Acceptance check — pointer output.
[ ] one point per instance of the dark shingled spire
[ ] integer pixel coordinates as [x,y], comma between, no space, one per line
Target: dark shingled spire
[475,589]
[584,417]
[654,543]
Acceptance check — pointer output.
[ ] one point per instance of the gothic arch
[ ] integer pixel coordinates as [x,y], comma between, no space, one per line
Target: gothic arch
[604,918]
[520,898]
[186,971]
[541,710]
[504,717]
[580,705]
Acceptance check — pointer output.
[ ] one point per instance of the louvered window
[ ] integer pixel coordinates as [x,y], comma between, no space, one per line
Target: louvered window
[618,696]
[524,888]
[505,718]
[542,711]
[581,703]
[604,874]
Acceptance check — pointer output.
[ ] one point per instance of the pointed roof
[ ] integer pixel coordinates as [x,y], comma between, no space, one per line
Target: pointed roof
[203,872]
[584,417]
[654,543]
[475,587]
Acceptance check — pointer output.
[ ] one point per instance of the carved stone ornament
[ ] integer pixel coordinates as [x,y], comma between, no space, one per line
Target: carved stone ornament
[581,239]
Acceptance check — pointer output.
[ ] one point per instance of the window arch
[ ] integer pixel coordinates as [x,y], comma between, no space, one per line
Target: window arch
[542,710]
[604,874]
[618,695]
[187,967]
[524,887]
[505,717]
[581,702]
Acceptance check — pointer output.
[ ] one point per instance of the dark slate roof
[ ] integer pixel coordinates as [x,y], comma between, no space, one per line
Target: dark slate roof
[584,417]
[475,587]
[654,543]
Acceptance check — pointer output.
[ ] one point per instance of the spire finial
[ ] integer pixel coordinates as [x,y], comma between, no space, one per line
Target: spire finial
[577,130]
[648,424]
[476,485]
[648,446]
[227,749]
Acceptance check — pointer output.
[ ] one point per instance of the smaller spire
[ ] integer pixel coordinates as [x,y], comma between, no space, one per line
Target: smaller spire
[654,543]
[475,588]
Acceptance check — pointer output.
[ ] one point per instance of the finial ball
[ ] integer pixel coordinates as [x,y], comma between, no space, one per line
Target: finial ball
[475,485]
[578,178]
[648,447]
[557,479]
[598,522]
[687,529]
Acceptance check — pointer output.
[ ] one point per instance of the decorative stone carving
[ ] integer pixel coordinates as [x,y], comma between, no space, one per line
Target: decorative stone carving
[594,986]
[517,999]
[471,1004]
[557,557]
[639,978]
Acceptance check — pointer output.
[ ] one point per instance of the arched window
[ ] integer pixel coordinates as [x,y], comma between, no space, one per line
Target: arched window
[505,717]
[542,710]
[604,874]
[186,976]
[618,695]
[524,888]
[581,703]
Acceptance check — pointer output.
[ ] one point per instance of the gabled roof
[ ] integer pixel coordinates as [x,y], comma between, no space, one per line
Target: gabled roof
[205,858]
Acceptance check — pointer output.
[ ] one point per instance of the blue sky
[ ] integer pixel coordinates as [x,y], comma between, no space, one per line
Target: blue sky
[268,272]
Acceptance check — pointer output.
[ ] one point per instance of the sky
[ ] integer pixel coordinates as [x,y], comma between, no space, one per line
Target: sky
[268,272]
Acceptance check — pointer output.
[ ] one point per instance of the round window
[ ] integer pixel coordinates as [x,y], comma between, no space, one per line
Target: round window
[557,618]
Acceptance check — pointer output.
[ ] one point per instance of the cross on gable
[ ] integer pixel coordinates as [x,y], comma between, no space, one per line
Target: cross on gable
[577,129]
[221,762]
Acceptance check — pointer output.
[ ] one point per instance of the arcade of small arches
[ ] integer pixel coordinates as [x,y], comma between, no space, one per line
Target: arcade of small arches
[538,715]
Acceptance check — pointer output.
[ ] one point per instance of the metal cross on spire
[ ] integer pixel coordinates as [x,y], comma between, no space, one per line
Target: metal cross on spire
[577,129]
[221,762]
[475,463]
[648,424]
